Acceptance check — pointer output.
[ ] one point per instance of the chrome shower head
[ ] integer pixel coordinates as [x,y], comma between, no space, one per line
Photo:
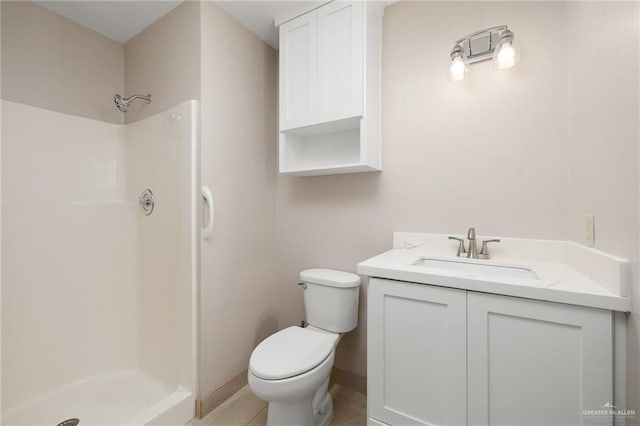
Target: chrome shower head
[69,422]
[120,104]
[123,103]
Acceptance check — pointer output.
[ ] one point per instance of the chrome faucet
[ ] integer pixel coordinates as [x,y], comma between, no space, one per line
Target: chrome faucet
[472,252]
[473,248]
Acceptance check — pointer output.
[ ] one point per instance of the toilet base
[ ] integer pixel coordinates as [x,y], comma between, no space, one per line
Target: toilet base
[322,405]
[323,417]
[316,410]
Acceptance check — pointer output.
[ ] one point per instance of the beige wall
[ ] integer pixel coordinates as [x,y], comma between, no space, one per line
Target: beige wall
[51,62]
[603,141]
[1,377]
[489,152]
[603,123]
[238,284]
[164,61]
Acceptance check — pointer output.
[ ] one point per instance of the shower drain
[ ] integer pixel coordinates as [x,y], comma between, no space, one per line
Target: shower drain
[69,422]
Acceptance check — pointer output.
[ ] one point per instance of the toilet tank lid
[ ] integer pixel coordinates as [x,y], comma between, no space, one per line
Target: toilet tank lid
[330,277]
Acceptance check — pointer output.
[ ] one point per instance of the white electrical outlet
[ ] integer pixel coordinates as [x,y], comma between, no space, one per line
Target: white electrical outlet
[590,228]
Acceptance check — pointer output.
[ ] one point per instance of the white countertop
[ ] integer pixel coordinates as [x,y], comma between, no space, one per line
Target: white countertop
[567,272]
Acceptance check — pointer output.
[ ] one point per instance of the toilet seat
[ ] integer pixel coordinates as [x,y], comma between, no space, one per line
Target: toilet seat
[291,352]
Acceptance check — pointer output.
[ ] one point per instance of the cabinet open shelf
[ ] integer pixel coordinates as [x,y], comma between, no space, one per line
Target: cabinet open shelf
[328,148]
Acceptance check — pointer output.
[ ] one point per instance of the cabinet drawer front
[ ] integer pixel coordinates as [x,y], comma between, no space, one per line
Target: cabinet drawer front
[533,362]
[298,71]
[416,354]
[340,60]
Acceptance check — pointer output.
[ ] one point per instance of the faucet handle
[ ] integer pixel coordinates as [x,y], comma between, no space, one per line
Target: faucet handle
[461,249]
[484,250]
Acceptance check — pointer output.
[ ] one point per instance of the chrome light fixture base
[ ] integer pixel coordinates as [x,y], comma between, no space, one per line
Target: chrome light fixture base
[483,45]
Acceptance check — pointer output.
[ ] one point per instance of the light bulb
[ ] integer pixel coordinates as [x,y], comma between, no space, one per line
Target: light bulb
[507,52]
[506,56]
[457,69]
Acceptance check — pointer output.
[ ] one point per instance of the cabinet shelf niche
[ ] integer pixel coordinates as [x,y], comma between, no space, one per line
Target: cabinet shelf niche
[328,148]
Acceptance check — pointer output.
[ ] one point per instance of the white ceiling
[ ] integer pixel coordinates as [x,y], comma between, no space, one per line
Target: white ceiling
[118,20]
[258,15]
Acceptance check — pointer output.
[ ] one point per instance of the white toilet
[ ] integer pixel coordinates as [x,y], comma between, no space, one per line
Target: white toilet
[291,368]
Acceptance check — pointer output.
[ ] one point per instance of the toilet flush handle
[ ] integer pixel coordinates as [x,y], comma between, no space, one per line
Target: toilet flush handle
[303,285]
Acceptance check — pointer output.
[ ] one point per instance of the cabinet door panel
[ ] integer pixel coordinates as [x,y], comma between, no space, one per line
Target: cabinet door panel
[298,71]
[536,363]
[340,60]
[416,354]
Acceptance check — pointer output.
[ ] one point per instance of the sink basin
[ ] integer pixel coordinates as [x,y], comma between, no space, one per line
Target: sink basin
[476,268]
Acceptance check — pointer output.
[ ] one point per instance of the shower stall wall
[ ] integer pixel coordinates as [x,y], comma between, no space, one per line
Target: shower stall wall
[98,299]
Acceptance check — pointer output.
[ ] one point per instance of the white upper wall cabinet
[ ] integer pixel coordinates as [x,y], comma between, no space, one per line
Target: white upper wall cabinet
[330,89]
[340,61]
[298,71]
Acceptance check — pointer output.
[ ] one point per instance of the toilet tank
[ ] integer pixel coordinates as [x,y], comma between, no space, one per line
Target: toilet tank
[331,299]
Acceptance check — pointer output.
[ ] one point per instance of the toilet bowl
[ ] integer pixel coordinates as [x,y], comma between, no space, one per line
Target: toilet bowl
[290,369]
[294,383]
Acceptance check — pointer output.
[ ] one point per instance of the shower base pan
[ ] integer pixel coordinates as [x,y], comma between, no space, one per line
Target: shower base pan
[119,398]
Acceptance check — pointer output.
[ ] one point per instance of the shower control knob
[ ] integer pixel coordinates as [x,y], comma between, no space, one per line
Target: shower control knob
[147,201]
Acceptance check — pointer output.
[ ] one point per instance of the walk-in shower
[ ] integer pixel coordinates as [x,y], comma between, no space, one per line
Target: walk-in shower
[98,298]
[123,103]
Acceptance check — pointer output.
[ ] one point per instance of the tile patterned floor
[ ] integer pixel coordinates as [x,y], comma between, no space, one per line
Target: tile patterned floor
[244,409]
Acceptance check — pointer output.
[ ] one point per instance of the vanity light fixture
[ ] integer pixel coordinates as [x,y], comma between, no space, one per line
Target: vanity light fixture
[497,43]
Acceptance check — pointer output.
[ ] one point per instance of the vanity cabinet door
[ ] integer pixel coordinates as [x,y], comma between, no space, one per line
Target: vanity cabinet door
[340,60]
[298,71]
[537,363]
[416,354]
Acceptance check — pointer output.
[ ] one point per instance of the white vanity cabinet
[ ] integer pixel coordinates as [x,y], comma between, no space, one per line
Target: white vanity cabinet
[536,363]
[417,354]
[329,89]
[444,356]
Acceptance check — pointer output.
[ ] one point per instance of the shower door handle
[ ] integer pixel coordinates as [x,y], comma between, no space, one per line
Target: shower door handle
[207,229]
